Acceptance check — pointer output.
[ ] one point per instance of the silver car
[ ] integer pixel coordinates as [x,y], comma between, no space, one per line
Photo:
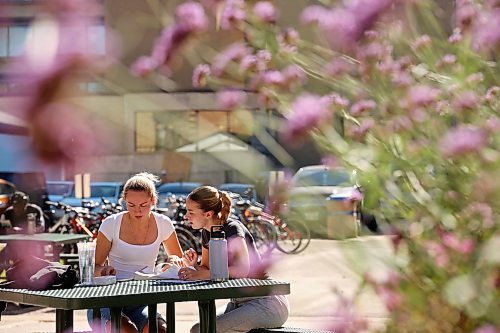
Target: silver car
[311,186]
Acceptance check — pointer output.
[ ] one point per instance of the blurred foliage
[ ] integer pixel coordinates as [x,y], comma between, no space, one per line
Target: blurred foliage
[415,87]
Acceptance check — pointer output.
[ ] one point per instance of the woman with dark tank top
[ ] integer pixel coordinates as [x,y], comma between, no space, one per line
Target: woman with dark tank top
[207,206]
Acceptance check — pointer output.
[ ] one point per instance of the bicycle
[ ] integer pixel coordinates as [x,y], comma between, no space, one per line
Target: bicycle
[288,236]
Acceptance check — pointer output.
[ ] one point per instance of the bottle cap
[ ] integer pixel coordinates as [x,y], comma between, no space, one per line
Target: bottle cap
[214,233]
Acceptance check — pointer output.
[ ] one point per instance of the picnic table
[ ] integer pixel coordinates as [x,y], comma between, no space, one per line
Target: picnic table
[35,244]
[138,292]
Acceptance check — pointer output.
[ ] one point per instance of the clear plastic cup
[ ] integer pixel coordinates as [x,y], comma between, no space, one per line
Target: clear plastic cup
[86,258]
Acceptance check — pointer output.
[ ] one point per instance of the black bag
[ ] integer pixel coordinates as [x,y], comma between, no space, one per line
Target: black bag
[39,274]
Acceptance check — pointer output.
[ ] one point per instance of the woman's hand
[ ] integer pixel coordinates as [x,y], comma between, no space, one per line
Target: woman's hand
[163,267]
[107,270]
[190,257]
[186,273]
[176,261]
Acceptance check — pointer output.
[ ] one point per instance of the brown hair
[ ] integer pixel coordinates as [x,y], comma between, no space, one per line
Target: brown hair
[211,199]
[142,182]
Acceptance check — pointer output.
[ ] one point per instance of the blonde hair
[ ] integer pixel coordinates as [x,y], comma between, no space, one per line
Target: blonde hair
[142,182]
[209,198]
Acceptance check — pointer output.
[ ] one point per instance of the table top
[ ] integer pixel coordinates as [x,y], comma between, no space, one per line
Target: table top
[44,238]
[134,292]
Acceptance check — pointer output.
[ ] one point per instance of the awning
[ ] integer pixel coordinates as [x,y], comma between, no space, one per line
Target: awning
[219,142]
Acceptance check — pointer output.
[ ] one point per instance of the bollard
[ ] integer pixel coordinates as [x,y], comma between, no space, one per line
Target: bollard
[341,220]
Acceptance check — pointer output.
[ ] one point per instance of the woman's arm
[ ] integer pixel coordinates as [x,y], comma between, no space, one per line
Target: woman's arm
[103,245]
[200,272]
[172,246]
[239,257]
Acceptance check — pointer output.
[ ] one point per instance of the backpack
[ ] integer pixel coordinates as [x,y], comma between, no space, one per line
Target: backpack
[34,273]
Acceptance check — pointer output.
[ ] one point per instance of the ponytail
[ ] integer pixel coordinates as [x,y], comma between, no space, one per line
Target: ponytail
[226,205]
[211,199]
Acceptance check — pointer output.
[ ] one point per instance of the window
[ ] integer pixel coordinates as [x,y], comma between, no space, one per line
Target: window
[169,130]
[14,35]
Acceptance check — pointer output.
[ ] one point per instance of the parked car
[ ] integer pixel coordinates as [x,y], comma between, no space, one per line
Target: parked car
[313,185]
[247,191]
[59,189]
[6,191]
[108,190]
[176,188]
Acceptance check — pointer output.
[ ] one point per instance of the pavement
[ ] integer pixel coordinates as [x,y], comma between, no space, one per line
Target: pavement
[326,268]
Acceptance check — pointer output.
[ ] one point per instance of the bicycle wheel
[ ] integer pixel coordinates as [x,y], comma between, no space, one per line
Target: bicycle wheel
[264,235]
[293,236]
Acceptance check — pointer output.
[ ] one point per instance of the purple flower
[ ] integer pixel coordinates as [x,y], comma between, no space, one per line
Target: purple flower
[233,52]
[263,58]
[455,38]
[230,99]
[307,112]
[483,210]
[288,40]
[421,42]
[288,36]
[401,124]
[372,51]
[447,59]
[467,100]
[465,16]
[294,75]
[265,11]
[348,319]
[338,66]
[493,124]
[164,50]
[48,79]
[438,253]
[492,94]
[391,299]
[313,14]
[143,66]
[488,328]
[344,25]
[76,139]
[362,106]
[330,160]
[418,114]
[422,95]
[273,77]
[233,13]
[191,15]
[338,100]
[401,78]
[248,63]
[462,140]
[486,34]
[200,74]
[475,78]
[367,11]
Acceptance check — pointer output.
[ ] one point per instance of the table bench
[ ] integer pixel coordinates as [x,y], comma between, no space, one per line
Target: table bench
[150,292]
[35,244]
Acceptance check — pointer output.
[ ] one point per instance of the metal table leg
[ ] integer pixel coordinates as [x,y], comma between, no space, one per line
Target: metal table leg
[153,325]
[116,319]
[64,321]
[207,316]
[170,318]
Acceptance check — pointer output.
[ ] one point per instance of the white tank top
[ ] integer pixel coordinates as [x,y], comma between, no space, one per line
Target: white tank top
[127,258]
